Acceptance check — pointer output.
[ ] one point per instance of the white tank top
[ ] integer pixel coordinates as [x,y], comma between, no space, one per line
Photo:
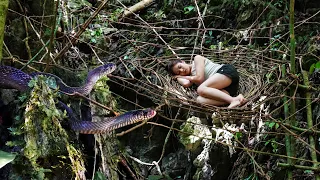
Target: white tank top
[210,68]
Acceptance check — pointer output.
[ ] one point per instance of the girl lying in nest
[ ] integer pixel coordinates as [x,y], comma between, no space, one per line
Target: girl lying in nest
[218,83]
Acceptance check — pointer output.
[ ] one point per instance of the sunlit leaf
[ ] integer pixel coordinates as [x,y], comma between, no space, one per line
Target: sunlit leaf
[6,158]
[188,9]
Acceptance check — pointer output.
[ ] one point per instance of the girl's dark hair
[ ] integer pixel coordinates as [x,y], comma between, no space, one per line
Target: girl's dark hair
[171,64]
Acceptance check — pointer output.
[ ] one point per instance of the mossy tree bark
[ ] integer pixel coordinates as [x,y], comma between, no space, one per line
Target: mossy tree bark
[312,140]
[292,112]
[288,139]
[3,14]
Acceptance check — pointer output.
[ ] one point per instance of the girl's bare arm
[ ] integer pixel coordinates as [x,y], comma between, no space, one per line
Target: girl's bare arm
[184,82]
[199,65]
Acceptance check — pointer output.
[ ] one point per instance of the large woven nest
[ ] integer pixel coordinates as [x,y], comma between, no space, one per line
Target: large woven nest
[257,73]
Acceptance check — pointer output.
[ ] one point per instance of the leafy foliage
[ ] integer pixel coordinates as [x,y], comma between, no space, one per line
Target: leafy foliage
[44,137]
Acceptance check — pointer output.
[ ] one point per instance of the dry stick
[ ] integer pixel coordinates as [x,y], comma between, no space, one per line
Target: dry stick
[309,131]
[315,169]
[131,129]
[137,7]
[43,64]
[167,137]
[16,60]
[203,15]
[53,27]
[95,158]
[304,21]
[304,87]
[26,30]
[199,25]
[126,68]
[95,53]
[92,101]
[313,154]
[300,129]
[250,27]
[168,28]
[125,164]
[315,126]
[126,99]
[153,29]
[38,35]
[148,164]
[132,43]
[77,35]
[296,136]
[260,170]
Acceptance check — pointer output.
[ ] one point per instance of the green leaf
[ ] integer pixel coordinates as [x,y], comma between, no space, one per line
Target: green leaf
[155,177]
[51,82]
[308,171]
[266,143]
[17,118]
[93,40]
[213,47]
[271,124]
[317,65]
[188,9]
[248,178]
[22,98]
[32,82]
[15,131]
[14,143]
[312,68]
[238,135]
[6,158]
[99,176]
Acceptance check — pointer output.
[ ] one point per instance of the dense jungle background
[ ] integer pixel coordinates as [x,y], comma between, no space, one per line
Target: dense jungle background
[274,44]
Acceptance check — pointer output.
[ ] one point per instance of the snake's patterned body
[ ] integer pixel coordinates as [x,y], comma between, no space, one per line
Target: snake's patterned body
[12,78]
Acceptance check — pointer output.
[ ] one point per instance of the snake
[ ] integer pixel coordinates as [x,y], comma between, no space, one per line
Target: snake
[13,78]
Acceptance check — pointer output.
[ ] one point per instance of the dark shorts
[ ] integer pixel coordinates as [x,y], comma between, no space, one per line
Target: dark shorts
[232,73]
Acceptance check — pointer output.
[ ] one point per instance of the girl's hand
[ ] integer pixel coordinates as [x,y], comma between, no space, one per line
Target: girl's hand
[177,76]
[184,82]
[189,78]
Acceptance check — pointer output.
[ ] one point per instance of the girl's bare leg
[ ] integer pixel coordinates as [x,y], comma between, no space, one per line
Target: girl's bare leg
[213,87]
[204,100]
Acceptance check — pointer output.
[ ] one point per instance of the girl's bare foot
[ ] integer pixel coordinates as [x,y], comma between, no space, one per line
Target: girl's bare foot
[235,103]
[242,99]
[238,101]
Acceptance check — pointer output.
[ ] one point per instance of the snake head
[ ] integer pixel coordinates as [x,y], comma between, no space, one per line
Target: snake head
[146,114]
[139,115]
[95,74]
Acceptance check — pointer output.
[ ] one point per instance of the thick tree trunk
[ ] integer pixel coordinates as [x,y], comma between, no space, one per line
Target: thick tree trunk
[3,14]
